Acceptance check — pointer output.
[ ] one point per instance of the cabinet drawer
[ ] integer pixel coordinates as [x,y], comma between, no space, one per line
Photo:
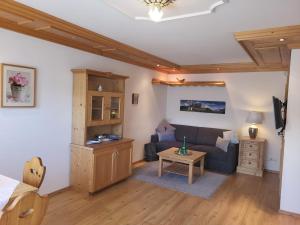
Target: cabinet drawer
[123,147]
[251,146]
[248,163]
[252,155]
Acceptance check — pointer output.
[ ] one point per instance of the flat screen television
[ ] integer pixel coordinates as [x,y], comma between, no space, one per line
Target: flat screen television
[280,113]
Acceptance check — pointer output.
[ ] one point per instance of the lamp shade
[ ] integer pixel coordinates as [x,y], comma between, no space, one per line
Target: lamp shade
[254,117]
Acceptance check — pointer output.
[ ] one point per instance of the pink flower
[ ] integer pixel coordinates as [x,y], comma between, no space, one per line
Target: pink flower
[18,80]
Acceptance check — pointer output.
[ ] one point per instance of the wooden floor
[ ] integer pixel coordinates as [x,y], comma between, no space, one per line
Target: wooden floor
[242,200]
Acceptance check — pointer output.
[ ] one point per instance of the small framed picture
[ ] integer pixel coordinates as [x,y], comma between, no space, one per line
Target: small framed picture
[17,86]
[135,99]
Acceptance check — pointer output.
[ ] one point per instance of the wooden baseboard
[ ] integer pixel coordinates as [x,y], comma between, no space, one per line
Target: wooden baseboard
[271,171]
[289,213]
[137,162]
[52,194]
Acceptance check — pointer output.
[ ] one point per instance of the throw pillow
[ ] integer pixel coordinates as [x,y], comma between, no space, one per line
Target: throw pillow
[227,135]
[166,136]
[164,126]
[232,136]
[222,144]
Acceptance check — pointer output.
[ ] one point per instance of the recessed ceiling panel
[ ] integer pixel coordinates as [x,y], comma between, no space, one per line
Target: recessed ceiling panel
[179,9]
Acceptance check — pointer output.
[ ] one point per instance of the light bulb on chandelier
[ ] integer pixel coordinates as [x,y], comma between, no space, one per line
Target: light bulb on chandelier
[155,12]
[155,8]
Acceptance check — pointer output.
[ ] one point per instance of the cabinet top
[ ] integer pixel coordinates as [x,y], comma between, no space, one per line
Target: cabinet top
[100,74]
[253,140]
[105,144]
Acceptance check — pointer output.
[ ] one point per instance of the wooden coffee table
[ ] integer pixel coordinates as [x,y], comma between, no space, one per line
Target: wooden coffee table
[190,160]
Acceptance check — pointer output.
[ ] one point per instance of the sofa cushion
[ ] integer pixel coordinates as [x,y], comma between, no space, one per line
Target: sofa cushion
[163,145]
[188,131]
[165,126]
[166,136]
[212,152]
[208,136]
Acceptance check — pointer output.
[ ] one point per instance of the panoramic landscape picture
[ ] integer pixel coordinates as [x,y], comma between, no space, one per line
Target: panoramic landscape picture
[203,106]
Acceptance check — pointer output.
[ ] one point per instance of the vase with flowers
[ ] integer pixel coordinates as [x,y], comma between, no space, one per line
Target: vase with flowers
[18,83]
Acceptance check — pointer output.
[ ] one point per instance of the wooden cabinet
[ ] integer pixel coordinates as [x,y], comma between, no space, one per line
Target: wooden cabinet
[122,159]
[103,169]
[105,108]
[99,166]
[95,113]
[251,156]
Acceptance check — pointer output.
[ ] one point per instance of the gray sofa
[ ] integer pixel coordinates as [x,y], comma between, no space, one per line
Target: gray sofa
[202,139]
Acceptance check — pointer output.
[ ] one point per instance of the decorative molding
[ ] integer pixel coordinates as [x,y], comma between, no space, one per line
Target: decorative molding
[211,9]
[189,83]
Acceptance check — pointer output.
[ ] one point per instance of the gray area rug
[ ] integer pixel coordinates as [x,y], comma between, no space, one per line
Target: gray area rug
[203,186]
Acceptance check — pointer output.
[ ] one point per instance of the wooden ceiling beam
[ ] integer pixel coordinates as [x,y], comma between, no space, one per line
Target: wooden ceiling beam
[14,7]
[264,47]
[294,46]
[189,83]
[227,68]
[24,22]
[270,47]
[270,33]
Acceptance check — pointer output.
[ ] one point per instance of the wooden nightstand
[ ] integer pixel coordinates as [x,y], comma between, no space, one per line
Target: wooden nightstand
[251,156]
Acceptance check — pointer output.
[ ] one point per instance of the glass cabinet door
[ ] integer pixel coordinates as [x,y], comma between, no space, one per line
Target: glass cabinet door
[115,108]
[97,108]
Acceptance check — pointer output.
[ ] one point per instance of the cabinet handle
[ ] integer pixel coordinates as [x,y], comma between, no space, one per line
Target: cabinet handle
[249,163]
[250,154]
[250,146]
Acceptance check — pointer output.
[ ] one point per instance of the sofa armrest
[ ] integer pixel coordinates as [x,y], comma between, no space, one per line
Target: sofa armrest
[150,152]
[233,151]
[154,138]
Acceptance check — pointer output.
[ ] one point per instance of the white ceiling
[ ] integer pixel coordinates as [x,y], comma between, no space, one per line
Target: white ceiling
[198,40]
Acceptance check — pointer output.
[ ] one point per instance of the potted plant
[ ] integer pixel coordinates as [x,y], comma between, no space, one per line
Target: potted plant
[18,83]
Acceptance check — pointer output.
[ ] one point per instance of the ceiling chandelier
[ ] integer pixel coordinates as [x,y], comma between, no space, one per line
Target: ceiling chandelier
[155,8]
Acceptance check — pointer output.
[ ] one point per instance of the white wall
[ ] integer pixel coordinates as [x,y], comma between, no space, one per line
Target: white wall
[290,197]
[243,92]
[46,130]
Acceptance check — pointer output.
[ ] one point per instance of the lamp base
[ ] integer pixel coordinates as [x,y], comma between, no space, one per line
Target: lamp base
[253,132]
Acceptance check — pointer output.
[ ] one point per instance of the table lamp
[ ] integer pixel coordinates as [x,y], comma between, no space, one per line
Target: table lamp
[254,118]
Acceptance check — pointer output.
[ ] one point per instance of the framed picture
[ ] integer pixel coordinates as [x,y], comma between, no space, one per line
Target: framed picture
[135,99]
[17,86]
[203,106]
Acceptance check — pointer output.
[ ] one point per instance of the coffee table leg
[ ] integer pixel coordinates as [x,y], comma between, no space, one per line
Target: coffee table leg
[202,167]
[191,172]
[160,167]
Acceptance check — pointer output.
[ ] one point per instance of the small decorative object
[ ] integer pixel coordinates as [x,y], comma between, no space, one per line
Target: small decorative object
[254,118]
[17,86]
[113,114]
[100,88]
[203,106]
[180,80]
[135,98]
[183,150]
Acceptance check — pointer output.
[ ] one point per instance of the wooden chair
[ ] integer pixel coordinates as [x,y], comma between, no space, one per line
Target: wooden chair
[34,172]
[29,208]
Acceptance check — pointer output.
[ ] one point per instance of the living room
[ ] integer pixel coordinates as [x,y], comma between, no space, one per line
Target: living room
[205,57]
